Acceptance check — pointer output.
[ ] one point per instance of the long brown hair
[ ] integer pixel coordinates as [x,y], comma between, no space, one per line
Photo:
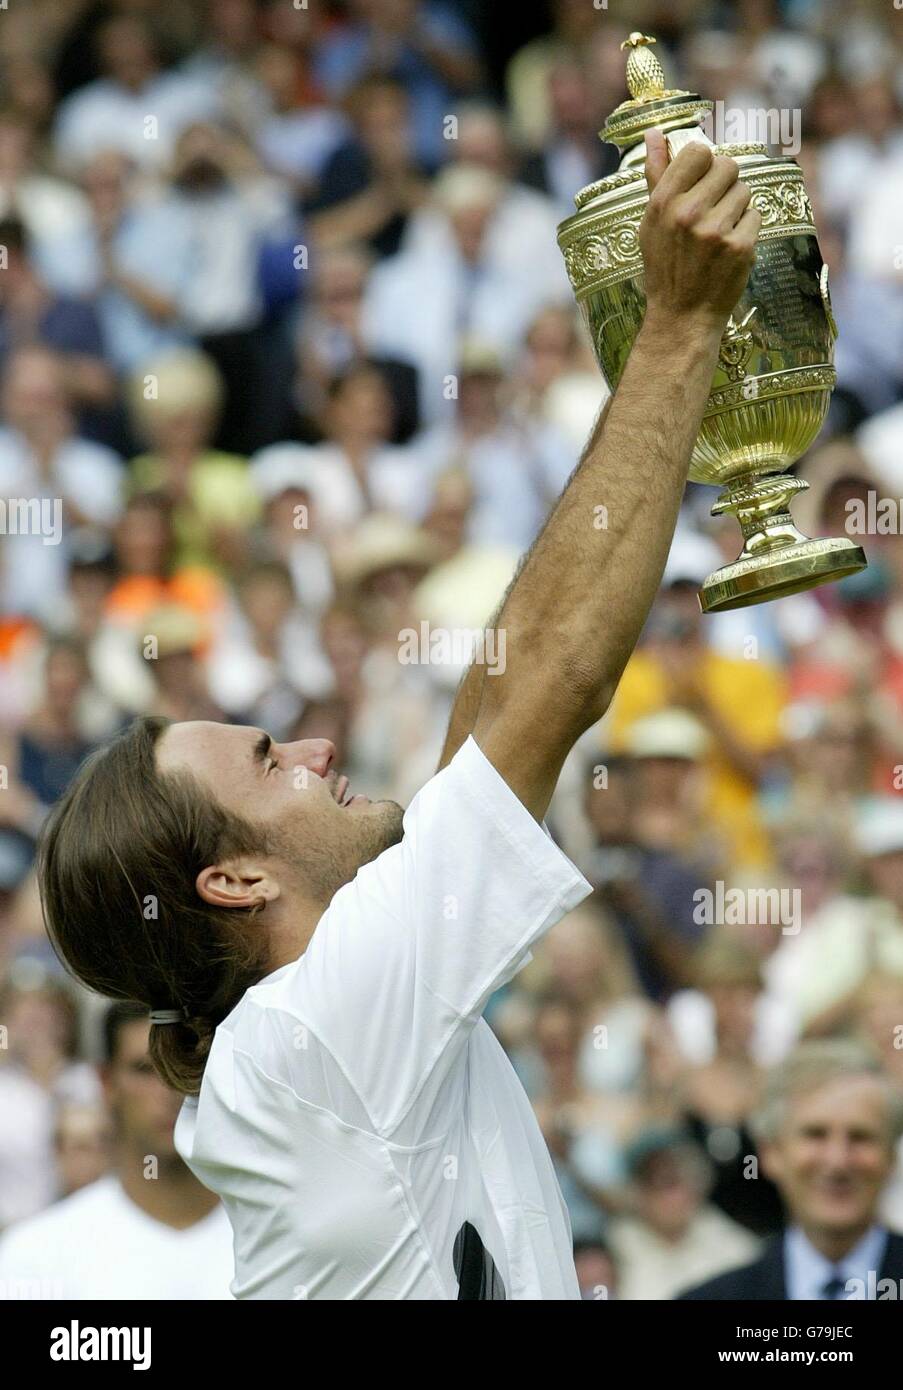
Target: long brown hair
[117,866]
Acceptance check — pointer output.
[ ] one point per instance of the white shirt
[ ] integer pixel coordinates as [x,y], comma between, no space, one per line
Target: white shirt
[419,305]
[27,1168]
[143,125]
[521,240]
[395,480]
[651,1268]
[356,1110]
[807,1271]
[517,473]
[876,228]
[224,230]
[97,1244]
[83,475]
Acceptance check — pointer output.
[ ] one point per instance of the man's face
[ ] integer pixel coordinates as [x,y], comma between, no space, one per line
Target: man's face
[834,1155]
[317,827]
[608,808]
[127,52]
[469,228]
[667,1199]
[82,1146]
[143,1109]
[675,618]
[33,389]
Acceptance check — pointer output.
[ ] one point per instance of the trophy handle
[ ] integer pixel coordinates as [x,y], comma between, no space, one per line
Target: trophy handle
[826,301]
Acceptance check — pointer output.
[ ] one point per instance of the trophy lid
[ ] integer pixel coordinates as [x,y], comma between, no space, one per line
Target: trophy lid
[651,103]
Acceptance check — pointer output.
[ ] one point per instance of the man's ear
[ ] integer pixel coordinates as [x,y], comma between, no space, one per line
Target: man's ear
[237,883]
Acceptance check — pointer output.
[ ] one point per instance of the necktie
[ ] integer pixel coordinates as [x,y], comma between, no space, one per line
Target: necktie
[835,1287]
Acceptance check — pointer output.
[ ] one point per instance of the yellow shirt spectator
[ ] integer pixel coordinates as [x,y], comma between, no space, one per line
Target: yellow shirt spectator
[740,704]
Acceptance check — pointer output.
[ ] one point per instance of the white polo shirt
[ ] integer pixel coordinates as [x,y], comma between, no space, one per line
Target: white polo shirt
[359,1119]
[97,1244]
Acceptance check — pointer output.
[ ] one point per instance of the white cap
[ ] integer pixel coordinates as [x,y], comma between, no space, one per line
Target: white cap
[881,441]
[284,468]
[671,733]
[459,187]
[692,557]
[879,826]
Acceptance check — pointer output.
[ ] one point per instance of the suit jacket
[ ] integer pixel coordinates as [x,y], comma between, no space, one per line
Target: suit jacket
[763,1280]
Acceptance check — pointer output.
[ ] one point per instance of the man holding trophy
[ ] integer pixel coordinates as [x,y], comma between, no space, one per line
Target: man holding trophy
[316,965]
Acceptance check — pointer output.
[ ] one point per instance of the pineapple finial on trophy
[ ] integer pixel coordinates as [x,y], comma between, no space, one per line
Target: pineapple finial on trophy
[645,74]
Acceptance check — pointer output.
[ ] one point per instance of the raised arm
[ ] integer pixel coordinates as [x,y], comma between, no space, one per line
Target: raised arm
[576,608]
[466,705]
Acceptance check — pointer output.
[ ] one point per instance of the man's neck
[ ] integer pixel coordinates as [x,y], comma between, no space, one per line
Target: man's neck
[291,923]
[174,1196]
[835,1245]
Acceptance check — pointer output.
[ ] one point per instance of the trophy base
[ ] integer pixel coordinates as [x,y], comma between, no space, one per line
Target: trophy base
[789,569]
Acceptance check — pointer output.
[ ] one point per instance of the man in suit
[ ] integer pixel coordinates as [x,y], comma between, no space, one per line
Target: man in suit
[827,1134]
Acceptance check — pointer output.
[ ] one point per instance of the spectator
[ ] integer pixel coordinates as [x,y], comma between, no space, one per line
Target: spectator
[40,1070]
[515,466]
[289,480]
[330,342]
[371,184]
[176,400]
[527,79]
[269,658]
[147,1230]
[722,1089]
[597,1273]
[64,727]
[133,260]
[572,154]
[230,214]
[644,863]
[426,47]
[65,478]
[672,1234]
[51,210]
[364,470]
[827,1130]
[420,304]
[299,136]
[520,238]
[819,970]
[82,1140]
[32,314]
[737,701]
[135,107]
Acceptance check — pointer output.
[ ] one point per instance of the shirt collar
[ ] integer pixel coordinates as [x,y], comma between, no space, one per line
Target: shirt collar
[807,1270]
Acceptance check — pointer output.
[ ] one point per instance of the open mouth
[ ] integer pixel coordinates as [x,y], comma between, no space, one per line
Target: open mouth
[343,793]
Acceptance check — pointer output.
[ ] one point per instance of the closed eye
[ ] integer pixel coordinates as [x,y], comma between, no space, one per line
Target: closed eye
[261,753]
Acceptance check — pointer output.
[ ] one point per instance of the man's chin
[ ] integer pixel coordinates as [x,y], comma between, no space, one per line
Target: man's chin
[388,823]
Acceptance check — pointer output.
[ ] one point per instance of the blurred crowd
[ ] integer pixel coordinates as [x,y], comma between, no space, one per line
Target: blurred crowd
[289,365]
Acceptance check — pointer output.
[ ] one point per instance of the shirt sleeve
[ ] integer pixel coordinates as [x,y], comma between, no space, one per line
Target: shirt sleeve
[402,964]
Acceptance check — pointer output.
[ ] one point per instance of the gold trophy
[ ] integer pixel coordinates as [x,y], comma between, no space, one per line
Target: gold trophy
[774,376]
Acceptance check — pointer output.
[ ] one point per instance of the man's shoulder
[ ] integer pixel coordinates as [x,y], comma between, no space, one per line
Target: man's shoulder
[892,1264]
[82,1211]
[761,1278]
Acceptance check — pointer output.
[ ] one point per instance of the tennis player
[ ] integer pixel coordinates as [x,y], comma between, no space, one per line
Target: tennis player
[316,963]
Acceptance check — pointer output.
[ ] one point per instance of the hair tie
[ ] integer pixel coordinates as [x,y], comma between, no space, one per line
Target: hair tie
[162,1016]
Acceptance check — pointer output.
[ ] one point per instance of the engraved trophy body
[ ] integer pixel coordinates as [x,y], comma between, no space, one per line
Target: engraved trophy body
[774,376]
